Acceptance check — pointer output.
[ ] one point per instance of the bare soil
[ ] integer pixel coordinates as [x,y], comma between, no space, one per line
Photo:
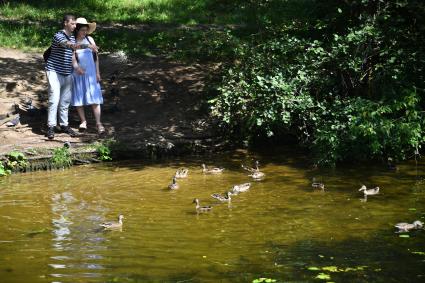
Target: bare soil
[147,101]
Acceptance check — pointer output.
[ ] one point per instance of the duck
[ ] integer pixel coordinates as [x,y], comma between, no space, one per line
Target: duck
[225,198]
[174,185]
[369,192]
[201,208]
[236,189]
[317,185]
[214,170]
[181,173]
[406,227]
[256,173]
[252,170]
[112,224]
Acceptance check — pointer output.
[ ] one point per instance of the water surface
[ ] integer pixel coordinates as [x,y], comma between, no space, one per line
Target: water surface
[280,229]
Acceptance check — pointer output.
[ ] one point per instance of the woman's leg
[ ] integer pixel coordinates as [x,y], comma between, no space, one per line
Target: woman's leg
[80,110]
[96,112]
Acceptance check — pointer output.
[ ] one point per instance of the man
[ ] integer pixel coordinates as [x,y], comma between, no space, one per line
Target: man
[58,70]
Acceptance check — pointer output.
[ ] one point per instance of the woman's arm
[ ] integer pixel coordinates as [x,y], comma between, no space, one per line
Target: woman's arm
[77,68]
[97,61]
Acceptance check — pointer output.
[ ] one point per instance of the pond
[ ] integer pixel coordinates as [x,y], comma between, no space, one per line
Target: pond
[281,229]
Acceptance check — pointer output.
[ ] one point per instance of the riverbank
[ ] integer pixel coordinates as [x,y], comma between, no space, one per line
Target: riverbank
[152,105]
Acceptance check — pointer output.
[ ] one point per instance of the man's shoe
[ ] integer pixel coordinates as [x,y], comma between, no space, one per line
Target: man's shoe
[50,133]
[69,131]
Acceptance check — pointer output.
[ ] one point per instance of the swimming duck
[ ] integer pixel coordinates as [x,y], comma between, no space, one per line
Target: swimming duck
[201,208]
[406,227]
[249,169]
[240,188]
[225,198]
[369,192]
[215,170]
[174,185]
[257,175]
[181,173]
[317,185]
[112,224]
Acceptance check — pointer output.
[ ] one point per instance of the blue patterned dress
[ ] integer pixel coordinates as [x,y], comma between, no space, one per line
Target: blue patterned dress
[85,89]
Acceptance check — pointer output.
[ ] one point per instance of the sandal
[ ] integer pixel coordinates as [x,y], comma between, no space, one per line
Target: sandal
[100,129]
[83,126]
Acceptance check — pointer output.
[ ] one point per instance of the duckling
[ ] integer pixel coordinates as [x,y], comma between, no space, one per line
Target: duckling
[240,188]
[406,227]
[112,224]
[225,198]
[181,173]
[369,192]
[215,170]
[174,185]
[201,208]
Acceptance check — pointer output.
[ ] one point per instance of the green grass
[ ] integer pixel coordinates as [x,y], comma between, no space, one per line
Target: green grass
[124,11]
[194,44]
[30,25]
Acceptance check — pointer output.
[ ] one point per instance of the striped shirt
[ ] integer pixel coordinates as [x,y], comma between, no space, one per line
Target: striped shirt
[60,59]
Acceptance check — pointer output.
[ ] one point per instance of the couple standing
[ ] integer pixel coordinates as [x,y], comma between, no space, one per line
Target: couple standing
[73,75]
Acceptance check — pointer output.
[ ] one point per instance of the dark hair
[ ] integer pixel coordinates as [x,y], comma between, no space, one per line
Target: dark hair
[78,27]
[67,17]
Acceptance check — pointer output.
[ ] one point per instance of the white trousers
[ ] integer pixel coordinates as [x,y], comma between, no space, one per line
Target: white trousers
[60,91]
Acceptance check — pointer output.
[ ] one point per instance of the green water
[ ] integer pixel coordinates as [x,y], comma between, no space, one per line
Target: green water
[279,229]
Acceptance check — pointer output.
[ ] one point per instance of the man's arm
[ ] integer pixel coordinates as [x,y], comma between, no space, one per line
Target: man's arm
[74,46]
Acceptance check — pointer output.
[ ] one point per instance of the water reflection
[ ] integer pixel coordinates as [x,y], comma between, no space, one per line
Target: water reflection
[74,234]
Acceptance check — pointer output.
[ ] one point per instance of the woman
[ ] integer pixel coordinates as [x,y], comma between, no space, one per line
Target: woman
[86,76]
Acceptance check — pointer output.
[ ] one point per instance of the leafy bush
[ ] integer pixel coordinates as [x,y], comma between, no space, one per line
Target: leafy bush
[61,157]
[347,83]
[104,152]
[15,161]
[3,170]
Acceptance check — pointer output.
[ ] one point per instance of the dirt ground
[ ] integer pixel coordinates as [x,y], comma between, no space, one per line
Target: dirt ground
[146,101]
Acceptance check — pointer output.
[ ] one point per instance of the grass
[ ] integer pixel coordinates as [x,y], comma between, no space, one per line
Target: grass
[124,11]
[194,44]
[30,25]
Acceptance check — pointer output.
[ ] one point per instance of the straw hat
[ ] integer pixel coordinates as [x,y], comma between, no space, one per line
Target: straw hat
[83,21]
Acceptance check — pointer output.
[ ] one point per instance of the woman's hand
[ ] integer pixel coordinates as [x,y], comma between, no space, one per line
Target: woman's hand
[93,48]
[98,79]
[79,70]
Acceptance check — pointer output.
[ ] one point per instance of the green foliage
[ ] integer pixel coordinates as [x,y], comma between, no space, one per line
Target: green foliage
[3,170]
[344,77]
[323,276]
[61,157]
[259,280]
[104,151]
[348,85]
[174,11]
[15,161]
